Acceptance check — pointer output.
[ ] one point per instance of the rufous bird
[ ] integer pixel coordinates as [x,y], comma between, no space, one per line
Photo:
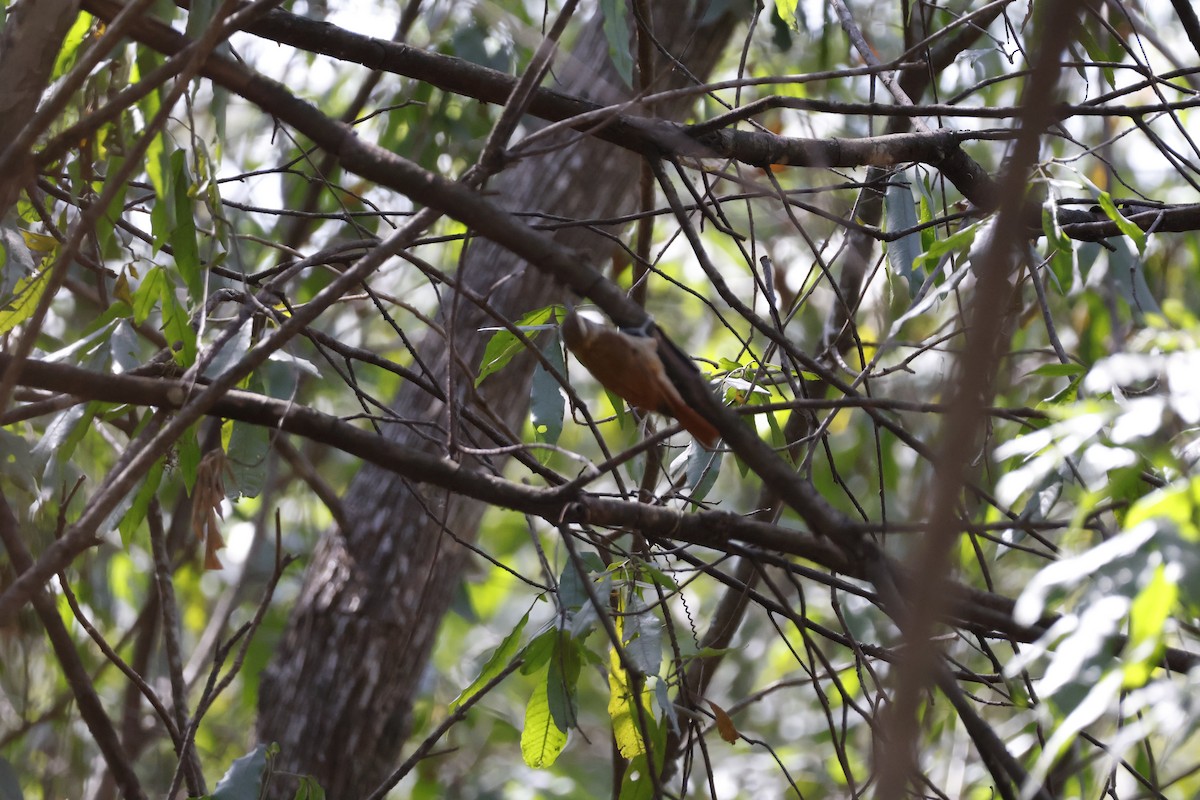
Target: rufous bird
[628,365]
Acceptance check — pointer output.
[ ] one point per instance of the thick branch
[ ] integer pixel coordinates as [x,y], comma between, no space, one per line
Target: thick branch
[939,149]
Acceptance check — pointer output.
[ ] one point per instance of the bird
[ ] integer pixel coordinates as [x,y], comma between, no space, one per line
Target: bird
[627,364]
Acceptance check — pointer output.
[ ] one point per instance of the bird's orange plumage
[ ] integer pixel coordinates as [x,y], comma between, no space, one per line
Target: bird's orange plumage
[629,367]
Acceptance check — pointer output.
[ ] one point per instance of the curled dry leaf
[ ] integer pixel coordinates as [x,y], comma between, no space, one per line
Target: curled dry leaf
[725,726]
[207,496]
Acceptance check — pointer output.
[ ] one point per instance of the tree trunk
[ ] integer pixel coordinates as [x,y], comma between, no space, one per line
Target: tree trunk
[338,695]
[29,45]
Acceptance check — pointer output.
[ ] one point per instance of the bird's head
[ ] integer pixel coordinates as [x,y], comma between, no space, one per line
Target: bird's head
[577,331]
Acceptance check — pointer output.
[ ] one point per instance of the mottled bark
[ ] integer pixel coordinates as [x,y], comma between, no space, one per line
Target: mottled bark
[338,695]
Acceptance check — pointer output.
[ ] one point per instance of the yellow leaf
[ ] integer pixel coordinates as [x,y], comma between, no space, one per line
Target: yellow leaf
[622,707]
[29,291]
[121,289]
[39,243]
[541,739]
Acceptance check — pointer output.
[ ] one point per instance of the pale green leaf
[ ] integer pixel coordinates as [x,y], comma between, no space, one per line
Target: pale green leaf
[25,300]
[499,659]
[541,739]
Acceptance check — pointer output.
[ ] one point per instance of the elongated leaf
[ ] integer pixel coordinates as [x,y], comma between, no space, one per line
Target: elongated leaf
[959,240]
[25,300]
[725,727]
[538,652]
[244,780]
[309,789]
[562,679]
[1124,225]
[504,346]
[644,645]
[700,468]
[69,51]
[902,253]
[183,228]
[788,11]
[547,406]
[572,595]
[16,259]
[616,31]
[141,502]
[249,446]
[498,660]
[177,327]
[636,784]
[148,294]
[541,739]
[621,710]
[1064,265]
[1058,370]
[1148,617]
[17,462]
[62,436]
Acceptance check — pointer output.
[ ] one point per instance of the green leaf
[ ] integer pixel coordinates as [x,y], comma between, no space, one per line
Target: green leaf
[562,677]
[244,780]
[538,652]
[177,327]
[623,710]
[25,300]
[1064,265]
[504,346]
[141,502]
[187,450]
[148,293]
[162,221]
[636,784]
[1066,395]
[106,232]
[902,253]
[1123,224]
[1058,370]
[157,163]
[644,645]
[200,14]
[497,662]
[572,595]
[700,468]
[249,447]
[958,241]
[1099,55]
[616,31]
[1147,618]
[547,406]
[183,227]
[1177,504]
[309,789]
[17,463]
[16,259]
[788,11]
[659,577]
[68,52]
[60,439]
[541,739]
[624,418]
